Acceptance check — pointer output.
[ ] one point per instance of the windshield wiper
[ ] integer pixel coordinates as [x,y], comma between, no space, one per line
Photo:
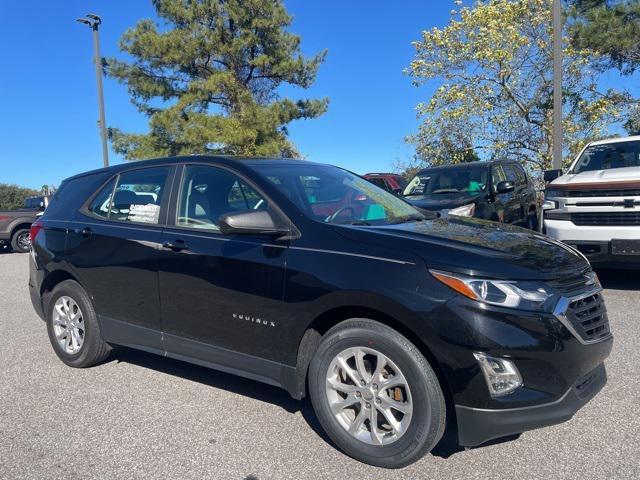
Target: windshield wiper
[445,190]
[407,219]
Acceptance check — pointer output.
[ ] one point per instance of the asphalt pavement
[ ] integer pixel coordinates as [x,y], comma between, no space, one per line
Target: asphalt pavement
[144,416]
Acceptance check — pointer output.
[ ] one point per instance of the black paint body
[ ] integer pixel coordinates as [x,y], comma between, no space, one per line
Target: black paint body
[254,305]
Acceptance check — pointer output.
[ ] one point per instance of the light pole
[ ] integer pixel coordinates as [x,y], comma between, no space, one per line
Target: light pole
[93,21]
[557,84]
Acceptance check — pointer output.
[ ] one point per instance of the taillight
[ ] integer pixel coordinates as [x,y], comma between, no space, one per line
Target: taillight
[34,230]
[4,217]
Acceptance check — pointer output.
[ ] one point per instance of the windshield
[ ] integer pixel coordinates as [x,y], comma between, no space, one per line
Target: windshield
[452,180]
[332,195]
[611,155]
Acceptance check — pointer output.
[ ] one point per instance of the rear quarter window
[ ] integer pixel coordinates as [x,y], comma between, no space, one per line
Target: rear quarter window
[72,194]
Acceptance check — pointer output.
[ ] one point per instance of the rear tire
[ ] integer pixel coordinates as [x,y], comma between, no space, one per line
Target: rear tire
[20,241]
[73,327]
[398,381]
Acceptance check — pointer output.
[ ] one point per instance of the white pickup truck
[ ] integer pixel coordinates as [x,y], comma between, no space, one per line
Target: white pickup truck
[595,206]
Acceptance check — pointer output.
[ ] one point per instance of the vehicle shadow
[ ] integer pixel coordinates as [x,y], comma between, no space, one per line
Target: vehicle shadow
[445,448]
[619,279]
[225,381]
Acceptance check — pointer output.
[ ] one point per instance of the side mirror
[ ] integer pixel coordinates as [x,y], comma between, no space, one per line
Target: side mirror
[505,187]
[551,175]
[250,222]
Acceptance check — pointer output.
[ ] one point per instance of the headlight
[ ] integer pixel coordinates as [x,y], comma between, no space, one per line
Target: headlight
[524,295]
[464,211]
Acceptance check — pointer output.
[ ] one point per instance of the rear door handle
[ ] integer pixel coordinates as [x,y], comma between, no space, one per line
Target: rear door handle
[176,246]
[85,232]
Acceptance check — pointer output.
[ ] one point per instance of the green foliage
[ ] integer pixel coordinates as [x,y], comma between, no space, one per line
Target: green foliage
[494,61]
[210,75]
[12,197]
[609,27]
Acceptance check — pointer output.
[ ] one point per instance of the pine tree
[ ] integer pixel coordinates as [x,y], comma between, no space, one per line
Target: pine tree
[209,79]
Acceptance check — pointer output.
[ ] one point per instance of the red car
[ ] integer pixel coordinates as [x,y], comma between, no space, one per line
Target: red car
[391,182]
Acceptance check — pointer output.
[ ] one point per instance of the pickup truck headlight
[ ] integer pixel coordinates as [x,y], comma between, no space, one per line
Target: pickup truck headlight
[524,295]
[464,211]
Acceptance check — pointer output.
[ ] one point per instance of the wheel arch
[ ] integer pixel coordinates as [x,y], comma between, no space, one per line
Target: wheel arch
[22,225]
[50,282]
[330,318]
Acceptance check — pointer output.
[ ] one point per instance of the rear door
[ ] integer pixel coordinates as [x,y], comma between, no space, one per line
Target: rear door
[221,294]
[113,245]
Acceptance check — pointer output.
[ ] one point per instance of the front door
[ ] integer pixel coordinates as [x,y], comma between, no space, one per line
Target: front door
[219,293]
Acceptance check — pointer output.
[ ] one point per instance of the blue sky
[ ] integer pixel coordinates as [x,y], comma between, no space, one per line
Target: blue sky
[48,128]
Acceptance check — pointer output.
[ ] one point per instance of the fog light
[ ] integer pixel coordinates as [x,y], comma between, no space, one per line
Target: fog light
[501,374]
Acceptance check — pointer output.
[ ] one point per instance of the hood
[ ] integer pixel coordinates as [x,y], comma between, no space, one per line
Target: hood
[612,175]
[476,247]
[443,201]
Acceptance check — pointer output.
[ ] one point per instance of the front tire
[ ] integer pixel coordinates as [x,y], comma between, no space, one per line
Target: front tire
[20,241]
[375,394]
[73,327]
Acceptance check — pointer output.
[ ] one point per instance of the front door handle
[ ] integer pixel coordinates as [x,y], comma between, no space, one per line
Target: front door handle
[176,246]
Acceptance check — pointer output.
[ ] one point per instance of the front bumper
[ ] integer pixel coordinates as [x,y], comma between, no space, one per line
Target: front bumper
[550,358]
[477,425]
[594,242]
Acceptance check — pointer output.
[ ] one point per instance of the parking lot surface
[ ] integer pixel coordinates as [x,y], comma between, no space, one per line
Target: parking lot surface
[144,416]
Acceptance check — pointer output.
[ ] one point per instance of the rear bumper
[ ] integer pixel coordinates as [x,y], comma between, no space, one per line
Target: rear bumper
[477,425]
[35,284]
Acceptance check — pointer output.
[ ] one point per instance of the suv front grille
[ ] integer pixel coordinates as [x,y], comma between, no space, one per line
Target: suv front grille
[603,193]
[606,218]
[588,317]
[573,285]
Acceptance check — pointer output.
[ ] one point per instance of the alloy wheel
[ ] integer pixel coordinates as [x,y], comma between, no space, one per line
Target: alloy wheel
[68,325]
[369,396]
[24,241]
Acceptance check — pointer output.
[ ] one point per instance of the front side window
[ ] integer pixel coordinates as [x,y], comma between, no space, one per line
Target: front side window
[608,156]
[448,180]
[497,175]
[207,193]
[138,195]
[510,173]
[332,195]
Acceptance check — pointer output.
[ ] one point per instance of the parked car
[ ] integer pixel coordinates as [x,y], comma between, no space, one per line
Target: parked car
[595,206]
[310,278]
[15,224]
[391,182]
[498,190]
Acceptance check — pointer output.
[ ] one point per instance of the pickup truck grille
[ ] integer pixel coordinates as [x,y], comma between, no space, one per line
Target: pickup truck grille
[588,316]
[603,193]
[606,218]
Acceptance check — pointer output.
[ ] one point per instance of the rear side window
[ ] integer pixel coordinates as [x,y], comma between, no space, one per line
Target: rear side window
[102,202]
[379,182]
[138,196]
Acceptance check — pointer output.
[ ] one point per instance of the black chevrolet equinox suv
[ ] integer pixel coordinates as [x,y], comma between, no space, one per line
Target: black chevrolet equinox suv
[310,278]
